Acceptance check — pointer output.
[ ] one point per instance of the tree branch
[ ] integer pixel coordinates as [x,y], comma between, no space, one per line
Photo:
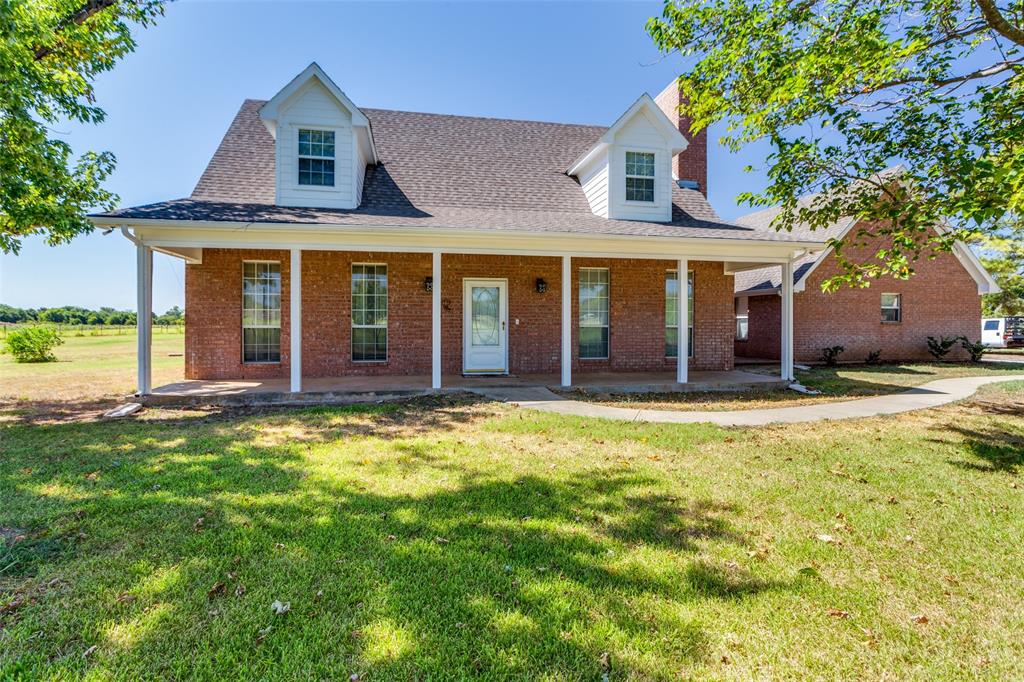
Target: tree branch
[90,8]
[999,23]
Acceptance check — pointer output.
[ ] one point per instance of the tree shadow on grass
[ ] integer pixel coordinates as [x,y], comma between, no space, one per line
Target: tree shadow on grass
[470,572]
[995,449]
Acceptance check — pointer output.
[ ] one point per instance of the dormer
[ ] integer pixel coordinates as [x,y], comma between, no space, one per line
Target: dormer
[627,174]
[322,143]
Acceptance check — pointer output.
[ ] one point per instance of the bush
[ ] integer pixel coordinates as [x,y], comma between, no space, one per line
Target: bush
[940,347]
[831,355]
[874,357]
[33,344]
[974,349]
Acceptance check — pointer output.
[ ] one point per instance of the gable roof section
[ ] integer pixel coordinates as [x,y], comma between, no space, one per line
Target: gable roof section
[769,280]
[270,110]
[436,170]
[675,139]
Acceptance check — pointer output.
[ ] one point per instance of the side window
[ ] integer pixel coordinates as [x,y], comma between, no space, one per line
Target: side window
[891,311]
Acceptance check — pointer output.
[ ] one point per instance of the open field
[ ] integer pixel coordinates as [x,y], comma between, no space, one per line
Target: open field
[845,382]
[91,368]
[442,539]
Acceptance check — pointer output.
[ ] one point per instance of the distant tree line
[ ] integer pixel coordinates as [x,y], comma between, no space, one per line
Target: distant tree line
[73,315]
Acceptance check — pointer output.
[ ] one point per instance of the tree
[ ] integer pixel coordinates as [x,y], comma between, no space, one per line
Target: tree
[50,53]
[842,90]
[1002,254]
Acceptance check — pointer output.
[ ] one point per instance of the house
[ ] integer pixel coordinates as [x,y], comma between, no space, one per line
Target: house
[329,240]
[893,316]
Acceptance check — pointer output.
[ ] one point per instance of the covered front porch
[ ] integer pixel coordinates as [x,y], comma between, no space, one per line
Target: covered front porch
[369,388]
[429,280]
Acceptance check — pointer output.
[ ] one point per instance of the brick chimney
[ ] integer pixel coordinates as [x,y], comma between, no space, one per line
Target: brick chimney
[692,164]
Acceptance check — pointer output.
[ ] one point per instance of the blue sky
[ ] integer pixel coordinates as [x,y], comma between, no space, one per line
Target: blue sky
[169,103]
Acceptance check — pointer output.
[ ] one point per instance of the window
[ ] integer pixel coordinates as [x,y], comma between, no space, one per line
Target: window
[593,313]
[672,314]
[742,318]
[639,176]
[369,313]
[261,311]
[316,157]
[991,325]
[891,308]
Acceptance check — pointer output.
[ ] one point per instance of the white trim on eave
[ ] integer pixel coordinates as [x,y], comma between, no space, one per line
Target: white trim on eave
[676,140]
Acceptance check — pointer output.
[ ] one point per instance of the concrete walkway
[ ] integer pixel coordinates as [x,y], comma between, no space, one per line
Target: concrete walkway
[932,394]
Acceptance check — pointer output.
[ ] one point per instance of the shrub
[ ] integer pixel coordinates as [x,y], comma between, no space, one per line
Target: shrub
[975,349]
[874,357]
[831,355]
[33,344]
[940,347]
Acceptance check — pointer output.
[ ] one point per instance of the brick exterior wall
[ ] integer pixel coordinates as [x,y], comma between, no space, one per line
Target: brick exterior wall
[940,299]
[213,337]
[691,164]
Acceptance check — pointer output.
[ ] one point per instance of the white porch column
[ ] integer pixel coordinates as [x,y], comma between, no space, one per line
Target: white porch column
[683,319]
[566,321]
[786,352]
[144,317]
[295,318]
[435,322]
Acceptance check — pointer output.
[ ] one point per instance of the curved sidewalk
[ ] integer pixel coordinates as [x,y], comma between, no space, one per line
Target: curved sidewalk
[932,394]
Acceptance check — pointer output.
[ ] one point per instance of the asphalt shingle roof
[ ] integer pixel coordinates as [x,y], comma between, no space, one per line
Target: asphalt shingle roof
[437,170]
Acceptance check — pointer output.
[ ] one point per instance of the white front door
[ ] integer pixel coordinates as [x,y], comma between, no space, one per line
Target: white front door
[485,326]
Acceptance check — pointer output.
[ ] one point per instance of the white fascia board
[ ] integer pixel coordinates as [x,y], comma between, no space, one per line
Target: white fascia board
[406,239]
[269,112]
[675,139]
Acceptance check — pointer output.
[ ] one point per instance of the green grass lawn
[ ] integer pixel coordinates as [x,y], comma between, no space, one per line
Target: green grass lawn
[460,539]
[91,367]
[844,382]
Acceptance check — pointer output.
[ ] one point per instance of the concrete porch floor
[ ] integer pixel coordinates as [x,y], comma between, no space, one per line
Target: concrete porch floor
[355,389]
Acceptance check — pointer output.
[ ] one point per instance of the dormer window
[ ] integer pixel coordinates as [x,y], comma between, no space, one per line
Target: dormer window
[640,176]
[316,157]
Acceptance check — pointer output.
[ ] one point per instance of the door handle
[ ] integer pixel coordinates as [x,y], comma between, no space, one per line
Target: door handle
[503,325]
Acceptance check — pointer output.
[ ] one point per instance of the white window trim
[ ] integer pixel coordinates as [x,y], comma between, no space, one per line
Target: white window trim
[579,321]
[898,307]
[351,317]
[296,127]
[654,178]
[280,311]
[689,308]
[743,316]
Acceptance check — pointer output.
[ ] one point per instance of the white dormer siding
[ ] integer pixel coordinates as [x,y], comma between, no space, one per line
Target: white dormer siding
[645,130]
[312,102]
[313,108]
[594,180]
[640,134]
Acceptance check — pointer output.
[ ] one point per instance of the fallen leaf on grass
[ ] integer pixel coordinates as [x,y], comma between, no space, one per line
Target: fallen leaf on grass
[198,525]
[319,595]
[838,613]
[440,540]
[263,634]
[278,545]
[871,639]
[92,477]
[827,539]
[280,608]
[90,651]
[920,619]
[216,591]
[126,598]
[240,590]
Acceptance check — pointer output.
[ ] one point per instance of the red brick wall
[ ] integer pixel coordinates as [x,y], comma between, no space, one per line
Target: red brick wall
[764,321]
[940,299]
[213,316]
[637,308]
[691,164]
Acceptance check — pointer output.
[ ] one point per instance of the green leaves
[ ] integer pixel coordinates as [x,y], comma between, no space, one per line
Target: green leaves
[51,52]
[905,114]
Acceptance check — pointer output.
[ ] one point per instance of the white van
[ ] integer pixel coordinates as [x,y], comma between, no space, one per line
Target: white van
[1002,332]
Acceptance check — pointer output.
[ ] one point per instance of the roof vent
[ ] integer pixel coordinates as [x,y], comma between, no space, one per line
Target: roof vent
[688,184]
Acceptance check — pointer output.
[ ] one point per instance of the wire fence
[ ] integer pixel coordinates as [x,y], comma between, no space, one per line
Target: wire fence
[91,329]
